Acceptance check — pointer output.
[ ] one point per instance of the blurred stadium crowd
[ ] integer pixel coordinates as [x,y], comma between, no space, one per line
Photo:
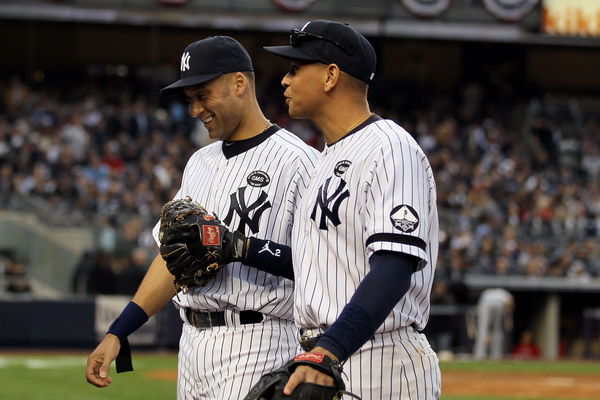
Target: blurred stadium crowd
[517,174]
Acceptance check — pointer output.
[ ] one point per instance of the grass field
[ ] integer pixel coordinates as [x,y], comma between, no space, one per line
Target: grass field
[61,377]
[46,377]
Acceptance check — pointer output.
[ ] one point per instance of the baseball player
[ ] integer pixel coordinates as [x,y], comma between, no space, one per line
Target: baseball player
[365,235]
[241,324]
[494,315]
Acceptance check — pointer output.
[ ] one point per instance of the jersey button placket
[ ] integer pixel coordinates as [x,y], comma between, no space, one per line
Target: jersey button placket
[220,174]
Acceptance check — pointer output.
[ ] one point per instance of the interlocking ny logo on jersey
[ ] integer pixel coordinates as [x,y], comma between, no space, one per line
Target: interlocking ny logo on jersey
[238,205]
[324,201]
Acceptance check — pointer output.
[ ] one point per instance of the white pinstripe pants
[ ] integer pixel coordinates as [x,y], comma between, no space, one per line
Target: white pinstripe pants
[223,363]
[397,365]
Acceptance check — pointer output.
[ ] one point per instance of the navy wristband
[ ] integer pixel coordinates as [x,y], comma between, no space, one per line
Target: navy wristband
[270,257]
[131,318]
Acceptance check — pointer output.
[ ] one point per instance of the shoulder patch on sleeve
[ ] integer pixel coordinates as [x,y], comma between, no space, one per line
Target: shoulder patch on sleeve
[404,218]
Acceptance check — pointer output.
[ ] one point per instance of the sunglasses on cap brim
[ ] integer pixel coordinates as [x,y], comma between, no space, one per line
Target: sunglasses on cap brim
[297,37]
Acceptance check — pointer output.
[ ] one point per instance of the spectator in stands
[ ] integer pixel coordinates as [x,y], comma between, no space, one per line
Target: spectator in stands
[16,276]
[503,267]
[16,95]
[562,261]
[537,266]
[83,269]
[128,236]
[140,121]
[131,275]
[486,256]
[526,349]
[101,279]
[440,294]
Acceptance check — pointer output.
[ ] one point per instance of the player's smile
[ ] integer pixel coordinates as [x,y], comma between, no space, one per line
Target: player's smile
[207,121]
[207,102]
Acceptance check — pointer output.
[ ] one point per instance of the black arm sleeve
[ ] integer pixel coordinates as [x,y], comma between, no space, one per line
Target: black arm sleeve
[378,293]
[271,257]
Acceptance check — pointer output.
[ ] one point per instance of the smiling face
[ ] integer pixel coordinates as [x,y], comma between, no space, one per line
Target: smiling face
[303,88]
[215,103]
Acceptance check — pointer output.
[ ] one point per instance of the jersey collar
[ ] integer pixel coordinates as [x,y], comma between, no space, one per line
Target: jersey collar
[237,147]
[370,120]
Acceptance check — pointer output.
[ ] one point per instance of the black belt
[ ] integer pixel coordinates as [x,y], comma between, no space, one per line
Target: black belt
[204,320]
[310,336]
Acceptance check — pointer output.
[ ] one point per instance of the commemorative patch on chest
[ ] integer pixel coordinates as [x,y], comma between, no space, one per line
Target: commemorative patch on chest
[405,218]
[258,179]
[341,167]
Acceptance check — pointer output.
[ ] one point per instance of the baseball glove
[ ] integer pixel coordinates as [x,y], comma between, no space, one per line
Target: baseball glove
[195,244]
[270,386]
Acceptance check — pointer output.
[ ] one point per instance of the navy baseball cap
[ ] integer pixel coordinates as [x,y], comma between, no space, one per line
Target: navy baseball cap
[331,42]
[207,59]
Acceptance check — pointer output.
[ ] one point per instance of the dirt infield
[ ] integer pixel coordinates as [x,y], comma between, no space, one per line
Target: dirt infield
[166,374]
[521,385]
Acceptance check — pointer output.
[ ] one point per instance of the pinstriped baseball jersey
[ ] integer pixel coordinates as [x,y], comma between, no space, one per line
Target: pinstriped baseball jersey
[372,190]
[254,192]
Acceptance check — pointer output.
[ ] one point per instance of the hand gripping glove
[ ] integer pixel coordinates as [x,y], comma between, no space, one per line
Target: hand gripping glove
[270,386]
[195,244]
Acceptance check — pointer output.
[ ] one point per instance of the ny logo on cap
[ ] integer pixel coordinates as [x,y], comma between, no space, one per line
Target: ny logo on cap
[185,61]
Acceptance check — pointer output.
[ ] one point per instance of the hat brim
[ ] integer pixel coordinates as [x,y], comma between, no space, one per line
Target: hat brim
[178,86]
[289,52]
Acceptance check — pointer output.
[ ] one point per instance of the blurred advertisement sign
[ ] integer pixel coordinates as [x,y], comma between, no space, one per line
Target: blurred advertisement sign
[108,308]
[571,17]
[173,2]
[294,5]
[426,8]
[509,10]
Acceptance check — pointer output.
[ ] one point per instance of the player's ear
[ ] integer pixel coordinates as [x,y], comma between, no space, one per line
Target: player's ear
[240,83]
[331,75]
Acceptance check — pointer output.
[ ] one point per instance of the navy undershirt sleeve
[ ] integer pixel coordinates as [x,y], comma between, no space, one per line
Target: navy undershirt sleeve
[378,293]
[271,257]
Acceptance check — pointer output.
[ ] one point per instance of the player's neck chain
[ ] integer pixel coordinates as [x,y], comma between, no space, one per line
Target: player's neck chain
[357,123]
[267,126]
[356,126]
[234,148]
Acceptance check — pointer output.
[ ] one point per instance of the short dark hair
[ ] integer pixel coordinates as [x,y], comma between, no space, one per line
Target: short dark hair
[356,83]
[251,77]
